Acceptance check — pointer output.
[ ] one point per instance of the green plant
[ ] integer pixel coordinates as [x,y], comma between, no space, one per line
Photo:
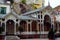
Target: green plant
[23,1]
[33,7]
[51,31]
[35,30]
[1,29]
[20,29]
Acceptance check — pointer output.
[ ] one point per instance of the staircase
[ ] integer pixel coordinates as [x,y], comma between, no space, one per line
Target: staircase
[12,38]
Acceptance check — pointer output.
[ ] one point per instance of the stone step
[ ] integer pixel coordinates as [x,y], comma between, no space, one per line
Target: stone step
[12,38]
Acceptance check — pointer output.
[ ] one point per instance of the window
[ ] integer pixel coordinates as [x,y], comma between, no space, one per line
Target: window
[58,12]
[2,10]
[17,20]
[0,23]
[16,27]
[3,19]
[3,25]
[38,20]
[39,16]
[41,20]
[28,20]
[29,27]
[11,1]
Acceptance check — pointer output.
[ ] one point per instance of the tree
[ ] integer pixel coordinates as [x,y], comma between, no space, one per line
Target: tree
[1,29]
[20,30]
[33,7]
[23,1]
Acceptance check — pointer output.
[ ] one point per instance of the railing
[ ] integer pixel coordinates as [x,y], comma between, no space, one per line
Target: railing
[33,32]
[33,35]
[3,33]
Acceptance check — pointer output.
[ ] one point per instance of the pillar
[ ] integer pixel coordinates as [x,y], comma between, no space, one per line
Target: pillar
[15,28]
[5,27]
[27,25]
[58,26]
[38,27]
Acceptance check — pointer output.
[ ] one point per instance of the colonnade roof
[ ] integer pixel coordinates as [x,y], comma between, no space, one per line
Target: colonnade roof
[33,11]
[16,15]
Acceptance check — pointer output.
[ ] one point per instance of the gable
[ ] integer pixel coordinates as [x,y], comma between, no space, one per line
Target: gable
[10,16]
[32,15]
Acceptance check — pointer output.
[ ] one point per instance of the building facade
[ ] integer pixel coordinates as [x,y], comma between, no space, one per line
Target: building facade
[35,24]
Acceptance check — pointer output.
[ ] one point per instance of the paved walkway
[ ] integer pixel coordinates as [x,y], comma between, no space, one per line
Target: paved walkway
[16,38]
[40,39]
[57,39]
[34,39]
[12,38]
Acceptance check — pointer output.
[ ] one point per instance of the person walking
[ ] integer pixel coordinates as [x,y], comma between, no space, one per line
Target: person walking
[51,34]
[54,36]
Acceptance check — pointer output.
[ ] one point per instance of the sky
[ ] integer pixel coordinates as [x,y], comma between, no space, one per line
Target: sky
[53,3]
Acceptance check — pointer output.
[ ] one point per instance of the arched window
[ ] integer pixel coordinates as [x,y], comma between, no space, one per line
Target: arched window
[47,23]
[10,27]
[23,24]
[34,26]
